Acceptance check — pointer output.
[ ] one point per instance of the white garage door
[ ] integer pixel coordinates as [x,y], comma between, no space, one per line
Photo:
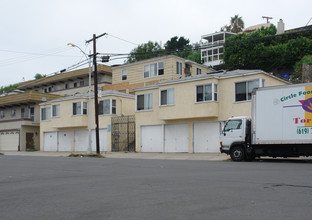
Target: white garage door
[152,138]
[9,140]
[176,138]
[64,141]
[82,136]
[81,140]
[50,141]
[206,137]
[103,140]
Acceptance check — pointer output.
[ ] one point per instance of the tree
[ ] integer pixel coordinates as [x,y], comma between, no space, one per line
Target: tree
[145,51]
[178,46]
[264,50]
[9,88]
[236,25]
[39,76]
[296,77]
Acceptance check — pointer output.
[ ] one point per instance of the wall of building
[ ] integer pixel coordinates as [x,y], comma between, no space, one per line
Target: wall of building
[68,122]
[135,71]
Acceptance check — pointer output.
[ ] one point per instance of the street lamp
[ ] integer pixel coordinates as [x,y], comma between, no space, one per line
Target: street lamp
[89,109]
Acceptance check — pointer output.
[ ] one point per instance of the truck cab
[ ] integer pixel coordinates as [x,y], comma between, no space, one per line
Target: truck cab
[235,137]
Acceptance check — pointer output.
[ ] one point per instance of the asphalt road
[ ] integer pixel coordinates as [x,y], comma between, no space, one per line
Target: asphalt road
[93,188]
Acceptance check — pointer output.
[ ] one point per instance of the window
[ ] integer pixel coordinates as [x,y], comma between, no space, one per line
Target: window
[207,92]
[45,114]
[155,69]
[243,90]
[179,68]
[144,102]
[80,108]
[13,112]
[32,114]
[66,86]
[50,89]
[198,71]
[56,110]
[2,114]
[167,97]
[82,83]
[124,75]
[160,68]
[232,125]
[23,113]
[107,107]
[75,84]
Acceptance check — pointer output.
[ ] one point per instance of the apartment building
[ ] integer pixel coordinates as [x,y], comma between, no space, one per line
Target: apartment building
[20,120]
[187,114]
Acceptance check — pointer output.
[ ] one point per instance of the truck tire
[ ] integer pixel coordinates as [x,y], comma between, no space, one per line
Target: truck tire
[237,153]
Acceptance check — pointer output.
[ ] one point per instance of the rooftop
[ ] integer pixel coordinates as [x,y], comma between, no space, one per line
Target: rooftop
[26,98]
[63,76]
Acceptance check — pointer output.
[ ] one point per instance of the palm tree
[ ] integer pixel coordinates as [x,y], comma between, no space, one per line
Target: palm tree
[237,24]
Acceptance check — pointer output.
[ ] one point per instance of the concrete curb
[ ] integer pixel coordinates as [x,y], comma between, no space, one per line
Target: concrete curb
[131,155]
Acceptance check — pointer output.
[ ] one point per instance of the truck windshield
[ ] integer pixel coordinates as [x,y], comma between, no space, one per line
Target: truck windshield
[233,124]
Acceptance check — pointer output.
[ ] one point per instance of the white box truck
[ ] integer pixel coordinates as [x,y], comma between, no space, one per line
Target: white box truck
[280,125]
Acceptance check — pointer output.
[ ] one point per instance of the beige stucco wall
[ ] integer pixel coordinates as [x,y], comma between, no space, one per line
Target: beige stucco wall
[68,122]
[227,105]
[135,71]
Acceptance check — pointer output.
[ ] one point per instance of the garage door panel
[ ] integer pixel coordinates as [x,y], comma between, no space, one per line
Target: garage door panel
[64,141]
[103,140]
[206,137]
[50,141]
[9,141]
[152,138]
[176,138]
[81,140]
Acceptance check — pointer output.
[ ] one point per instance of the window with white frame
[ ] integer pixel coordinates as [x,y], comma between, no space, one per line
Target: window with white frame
[167,97]
[56,110]
[2,114]
[208,92]
[80,108]
[45,114]
[124,75]
[154,69]
[244,89]
[198,71]
[107,107]
[179,68]
[144,102]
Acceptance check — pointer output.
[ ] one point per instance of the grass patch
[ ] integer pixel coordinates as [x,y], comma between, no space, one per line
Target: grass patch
[31,150]
[87,155]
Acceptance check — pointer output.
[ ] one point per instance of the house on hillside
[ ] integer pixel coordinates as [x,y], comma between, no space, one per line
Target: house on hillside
[151,71]
[19,120]
[187,114]
[212,49]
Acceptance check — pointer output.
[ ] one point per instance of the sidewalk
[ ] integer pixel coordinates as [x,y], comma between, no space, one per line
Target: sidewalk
[132,155]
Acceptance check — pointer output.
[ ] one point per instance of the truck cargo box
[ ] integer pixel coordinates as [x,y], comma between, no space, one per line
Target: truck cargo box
[282,115]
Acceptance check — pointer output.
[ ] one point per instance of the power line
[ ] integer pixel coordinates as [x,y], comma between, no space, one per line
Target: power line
[123,40]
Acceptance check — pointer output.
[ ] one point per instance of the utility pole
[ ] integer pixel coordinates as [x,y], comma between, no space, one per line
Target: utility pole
[267,18]
[96,103]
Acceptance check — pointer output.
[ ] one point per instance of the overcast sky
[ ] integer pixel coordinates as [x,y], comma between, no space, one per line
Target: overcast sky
[35,33]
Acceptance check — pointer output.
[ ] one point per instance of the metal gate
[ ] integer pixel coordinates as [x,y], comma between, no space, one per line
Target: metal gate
[123,133]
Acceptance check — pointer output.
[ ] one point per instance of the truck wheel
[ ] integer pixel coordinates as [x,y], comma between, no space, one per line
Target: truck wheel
[237,153]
